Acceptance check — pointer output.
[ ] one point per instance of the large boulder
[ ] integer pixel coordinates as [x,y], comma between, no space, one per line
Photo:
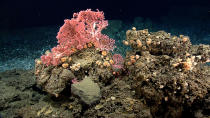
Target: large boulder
[55,80]
[88,91]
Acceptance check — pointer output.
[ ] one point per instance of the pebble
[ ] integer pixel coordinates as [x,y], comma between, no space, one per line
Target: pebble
[99,106]
[113,98]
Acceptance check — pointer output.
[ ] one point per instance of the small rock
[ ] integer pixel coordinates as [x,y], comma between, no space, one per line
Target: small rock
[97,107]
[113,98]
[161,86]
[108,99]
[87,90]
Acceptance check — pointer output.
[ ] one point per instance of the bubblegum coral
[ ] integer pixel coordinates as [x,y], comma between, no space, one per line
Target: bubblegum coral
[85,27]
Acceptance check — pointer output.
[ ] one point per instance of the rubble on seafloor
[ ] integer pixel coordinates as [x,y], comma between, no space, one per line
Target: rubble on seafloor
[163,76]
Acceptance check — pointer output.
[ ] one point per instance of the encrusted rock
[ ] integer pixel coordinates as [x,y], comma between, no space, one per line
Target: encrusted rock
[169,70]
[157,42]
[55,81]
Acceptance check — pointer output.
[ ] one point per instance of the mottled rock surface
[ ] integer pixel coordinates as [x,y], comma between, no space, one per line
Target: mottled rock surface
[88,91]
[167,71]
[55,79]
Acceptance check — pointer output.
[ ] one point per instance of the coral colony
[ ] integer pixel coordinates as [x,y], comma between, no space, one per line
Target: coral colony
[82,31]
[82,51]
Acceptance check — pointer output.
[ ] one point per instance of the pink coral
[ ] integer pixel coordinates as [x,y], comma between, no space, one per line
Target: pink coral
[118,59]
[118,62]
[85,27]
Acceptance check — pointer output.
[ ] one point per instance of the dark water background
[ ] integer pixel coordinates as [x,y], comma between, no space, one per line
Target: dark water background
[29,27]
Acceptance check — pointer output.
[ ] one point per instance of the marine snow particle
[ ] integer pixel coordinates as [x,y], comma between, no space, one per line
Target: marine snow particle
[65,65]
[104,53]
